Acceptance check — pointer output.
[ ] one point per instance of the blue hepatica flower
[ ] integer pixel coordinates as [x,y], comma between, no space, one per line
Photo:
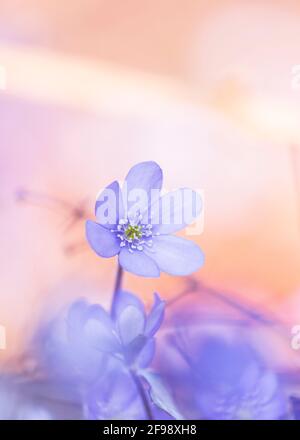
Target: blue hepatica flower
[234,383]
[102,354]
[220,378]
[116,395]
[137,223]
[79,344]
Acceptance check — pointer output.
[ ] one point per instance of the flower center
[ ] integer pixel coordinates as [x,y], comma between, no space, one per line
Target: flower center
[133,234]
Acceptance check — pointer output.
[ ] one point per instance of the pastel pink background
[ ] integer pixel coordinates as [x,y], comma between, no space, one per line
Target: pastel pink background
[203,88]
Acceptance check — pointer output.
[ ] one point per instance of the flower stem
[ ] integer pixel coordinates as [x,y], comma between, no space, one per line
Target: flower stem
[117,287]
[143,395]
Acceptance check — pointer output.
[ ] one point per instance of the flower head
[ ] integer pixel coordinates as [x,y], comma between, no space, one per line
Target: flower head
[217,376]
[77,345]
[136,223]
[98,355]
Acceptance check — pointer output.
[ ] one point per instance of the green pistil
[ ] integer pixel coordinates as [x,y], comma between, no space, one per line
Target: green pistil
[133,232]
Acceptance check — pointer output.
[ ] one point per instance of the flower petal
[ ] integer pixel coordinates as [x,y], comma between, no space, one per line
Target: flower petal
[138,263]
[101,240]
[175,255]
[94,325]
[146,355]
[109,206]
[125,299]
[131,324]
[140,181]
[145,175]
[155,316]
[132,350]
[100,337]
[76,318]
[175,210]
[160,395]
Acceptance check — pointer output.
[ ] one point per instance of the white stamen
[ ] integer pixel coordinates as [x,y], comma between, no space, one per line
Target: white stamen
[134,240]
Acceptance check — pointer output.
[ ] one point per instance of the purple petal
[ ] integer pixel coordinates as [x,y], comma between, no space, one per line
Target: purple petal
[146,355]
[138,263]
[141,179]
[175,255]
[102,241]
[131,324]
[160,395]
[109,206]
[76,318]
[94,324]
[100,337]
[155,316]
[132,350]
[125,299]
[175,210]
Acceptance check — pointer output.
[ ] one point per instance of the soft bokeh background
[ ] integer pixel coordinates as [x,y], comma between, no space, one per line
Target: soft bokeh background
[203,88]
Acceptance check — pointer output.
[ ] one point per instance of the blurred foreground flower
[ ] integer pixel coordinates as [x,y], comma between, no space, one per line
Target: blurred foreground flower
[105,357]
[136,224]
[220,377]
[115,395]
[78,345]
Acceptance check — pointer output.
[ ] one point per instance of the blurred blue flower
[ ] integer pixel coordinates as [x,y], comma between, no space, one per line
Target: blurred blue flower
[114,395]
[137,224]
[219,378]
[117,395]
[295,403]
[77,344]
[103,355]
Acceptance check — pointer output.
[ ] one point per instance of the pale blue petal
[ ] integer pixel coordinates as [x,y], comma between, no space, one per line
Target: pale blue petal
[131,324]
[141,180]
[102,241]
[174,211]
[146,355]
[76,318]
[92,324]
[109,208]
[155,316]
[160,395]
[145,175]
[132,350]
[125,299]
[175,255]
[100,337]
[138,263]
